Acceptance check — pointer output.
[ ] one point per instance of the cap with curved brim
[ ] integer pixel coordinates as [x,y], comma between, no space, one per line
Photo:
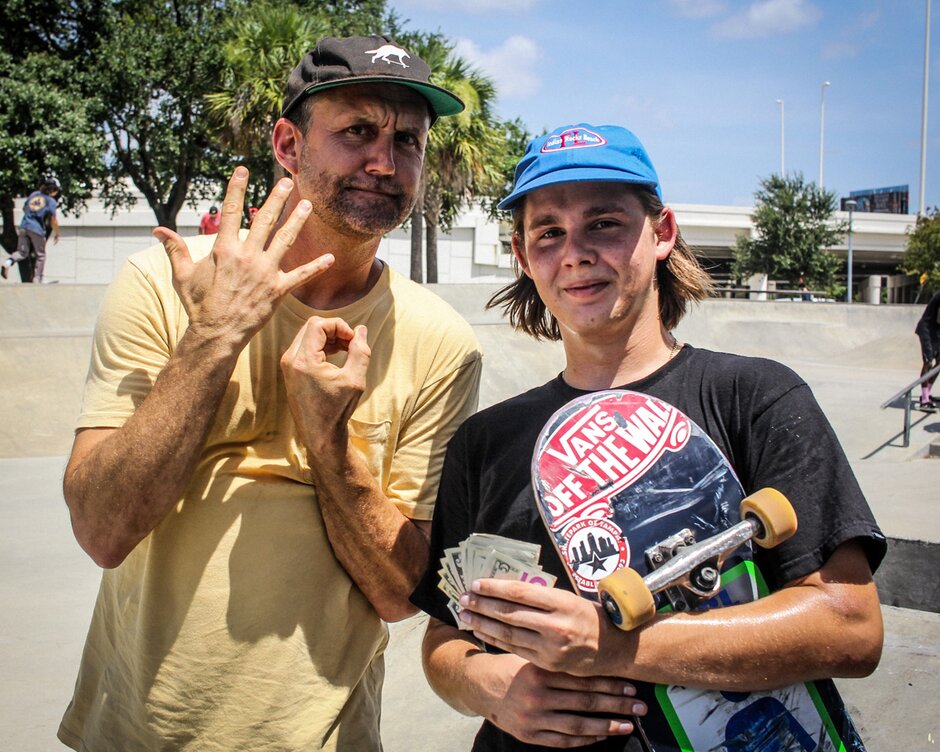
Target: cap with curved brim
[580,154]
[442,101]
[362,60]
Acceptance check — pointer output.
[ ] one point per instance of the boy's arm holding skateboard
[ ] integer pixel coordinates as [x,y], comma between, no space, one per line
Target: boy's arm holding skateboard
[826,624]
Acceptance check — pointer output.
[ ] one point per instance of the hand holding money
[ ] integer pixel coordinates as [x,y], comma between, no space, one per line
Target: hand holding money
[486,555]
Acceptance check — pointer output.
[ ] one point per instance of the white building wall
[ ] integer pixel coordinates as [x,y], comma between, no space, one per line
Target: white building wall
[95,244]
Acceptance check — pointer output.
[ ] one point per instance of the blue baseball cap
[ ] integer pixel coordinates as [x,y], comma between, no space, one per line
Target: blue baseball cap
[583,153]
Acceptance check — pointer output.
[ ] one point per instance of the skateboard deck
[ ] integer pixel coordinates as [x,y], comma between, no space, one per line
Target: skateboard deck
[625,481]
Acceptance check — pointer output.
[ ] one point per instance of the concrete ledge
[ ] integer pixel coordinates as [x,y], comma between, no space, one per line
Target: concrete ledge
[934,449]
[908,575]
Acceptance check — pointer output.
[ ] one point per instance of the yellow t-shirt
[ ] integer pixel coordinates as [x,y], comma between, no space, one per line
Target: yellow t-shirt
[232,626]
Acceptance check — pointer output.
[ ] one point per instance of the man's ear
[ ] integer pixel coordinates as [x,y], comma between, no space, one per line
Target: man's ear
[518,251]
[667,232]
[287,141]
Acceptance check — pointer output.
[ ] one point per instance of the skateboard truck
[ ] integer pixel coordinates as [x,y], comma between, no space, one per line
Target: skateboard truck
[689,571]
[699,572]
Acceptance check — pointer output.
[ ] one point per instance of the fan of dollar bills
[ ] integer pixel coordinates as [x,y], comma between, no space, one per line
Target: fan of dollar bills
[485,555]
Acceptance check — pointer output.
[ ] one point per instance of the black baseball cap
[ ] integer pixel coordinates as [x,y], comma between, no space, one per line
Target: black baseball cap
[357,60]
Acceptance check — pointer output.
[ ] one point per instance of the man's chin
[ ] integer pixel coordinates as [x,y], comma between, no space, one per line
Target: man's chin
[374,219]
[370,226]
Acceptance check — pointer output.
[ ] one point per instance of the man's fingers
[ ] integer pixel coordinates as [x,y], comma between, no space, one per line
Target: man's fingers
[319,338]
[304,273]
[359,355]
[270,214]
[177,251]
[293,350]
[610,685]
[523,593]
[233,203]
[286,235]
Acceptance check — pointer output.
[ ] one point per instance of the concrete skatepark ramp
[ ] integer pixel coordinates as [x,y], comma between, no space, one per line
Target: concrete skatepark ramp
[854,357]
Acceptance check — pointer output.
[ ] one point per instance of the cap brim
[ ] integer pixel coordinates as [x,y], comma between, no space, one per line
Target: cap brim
[442,101]
[578,175]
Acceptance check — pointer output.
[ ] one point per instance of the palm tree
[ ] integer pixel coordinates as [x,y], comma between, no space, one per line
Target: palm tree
[266,41]
[462,151]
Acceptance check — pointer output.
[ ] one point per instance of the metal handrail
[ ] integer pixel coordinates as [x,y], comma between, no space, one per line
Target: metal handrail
[906,393]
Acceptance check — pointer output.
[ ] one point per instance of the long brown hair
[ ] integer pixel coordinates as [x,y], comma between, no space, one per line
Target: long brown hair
[680,279]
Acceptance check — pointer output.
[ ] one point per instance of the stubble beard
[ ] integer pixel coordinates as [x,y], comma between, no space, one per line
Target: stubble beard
[345,204]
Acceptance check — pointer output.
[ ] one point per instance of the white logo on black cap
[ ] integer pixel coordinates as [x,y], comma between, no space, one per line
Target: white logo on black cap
[387,51]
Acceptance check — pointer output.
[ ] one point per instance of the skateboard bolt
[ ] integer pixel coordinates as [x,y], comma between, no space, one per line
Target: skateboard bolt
[708,576]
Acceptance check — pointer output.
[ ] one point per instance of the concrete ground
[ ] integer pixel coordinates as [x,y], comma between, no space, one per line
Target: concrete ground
[854,357]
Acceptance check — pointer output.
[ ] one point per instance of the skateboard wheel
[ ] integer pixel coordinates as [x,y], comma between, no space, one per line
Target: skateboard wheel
[774,512]
[626,599]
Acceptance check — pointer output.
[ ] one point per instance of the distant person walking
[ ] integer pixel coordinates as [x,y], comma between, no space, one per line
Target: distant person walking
[39,211]
[210,221]
[928,331]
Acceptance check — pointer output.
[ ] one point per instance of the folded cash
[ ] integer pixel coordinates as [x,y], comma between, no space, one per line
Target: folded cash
[487,555]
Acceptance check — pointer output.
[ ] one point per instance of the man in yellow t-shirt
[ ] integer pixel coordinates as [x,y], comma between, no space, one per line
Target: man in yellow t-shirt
[261,437]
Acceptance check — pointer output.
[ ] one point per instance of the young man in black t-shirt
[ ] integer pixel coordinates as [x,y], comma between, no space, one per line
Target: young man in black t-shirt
[605,270]
[928,332]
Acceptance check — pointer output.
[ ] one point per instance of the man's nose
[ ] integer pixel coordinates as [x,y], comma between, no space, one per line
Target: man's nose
[578,249]
[381,157]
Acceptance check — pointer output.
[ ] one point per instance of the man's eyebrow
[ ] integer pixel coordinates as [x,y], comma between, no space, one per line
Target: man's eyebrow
[548,217]
[614,208]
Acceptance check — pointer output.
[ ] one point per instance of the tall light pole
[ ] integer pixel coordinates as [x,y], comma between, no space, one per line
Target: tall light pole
[782,171]
[923,123]
[822,128]
[850,204]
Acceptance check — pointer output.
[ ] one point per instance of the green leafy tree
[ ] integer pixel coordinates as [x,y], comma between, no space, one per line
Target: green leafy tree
[44,130]
[352,17]
[513,138]
[65,29]
[152,71]
[265,42]
[922,255]
[794,227]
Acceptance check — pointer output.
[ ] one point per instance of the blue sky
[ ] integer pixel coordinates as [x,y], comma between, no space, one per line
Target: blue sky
[698,80]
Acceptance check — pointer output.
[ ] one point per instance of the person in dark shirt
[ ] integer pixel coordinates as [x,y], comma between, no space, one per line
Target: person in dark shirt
[928,332]
[605,270]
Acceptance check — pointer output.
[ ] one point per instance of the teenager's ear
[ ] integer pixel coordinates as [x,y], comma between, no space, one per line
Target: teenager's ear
[286,141]
[667,232]
[518,251]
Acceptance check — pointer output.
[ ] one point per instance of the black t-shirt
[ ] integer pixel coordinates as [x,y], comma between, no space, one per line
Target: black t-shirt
[761,415]
[928,319]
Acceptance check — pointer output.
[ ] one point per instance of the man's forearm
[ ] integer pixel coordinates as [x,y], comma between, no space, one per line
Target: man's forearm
[446,656]
[382,550]
[774,642]
[120,483]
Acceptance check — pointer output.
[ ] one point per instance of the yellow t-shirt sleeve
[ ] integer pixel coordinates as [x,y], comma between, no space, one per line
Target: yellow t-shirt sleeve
[133,340]
[443,405]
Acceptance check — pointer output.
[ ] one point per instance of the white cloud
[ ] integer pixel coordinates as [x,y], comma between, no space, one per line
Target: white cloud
[698,8]
[512,65]
[769,18]
[469,6]
[839,51]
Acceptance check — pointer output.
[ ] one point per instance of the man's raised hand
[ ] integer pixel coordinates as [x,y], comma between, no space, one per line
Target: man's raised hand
[234,291]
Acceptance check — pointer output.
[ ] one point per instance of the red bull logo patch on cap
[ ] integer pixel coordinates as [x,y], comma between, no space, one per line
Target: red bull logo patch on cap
[573,138]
